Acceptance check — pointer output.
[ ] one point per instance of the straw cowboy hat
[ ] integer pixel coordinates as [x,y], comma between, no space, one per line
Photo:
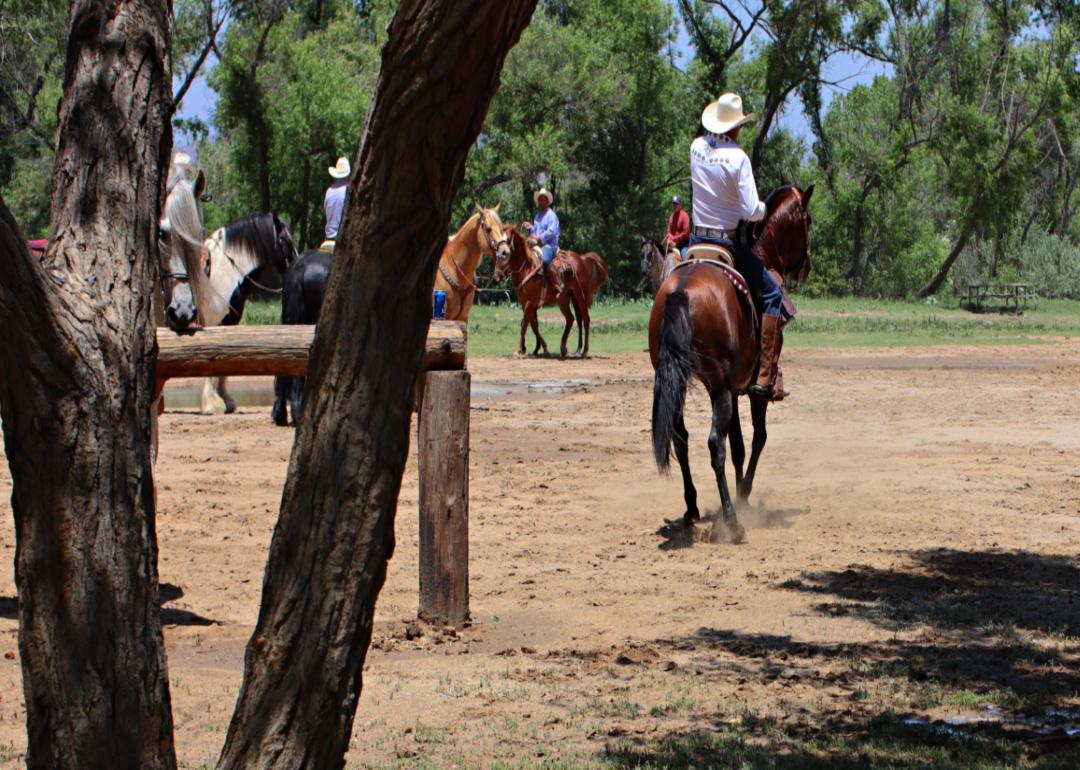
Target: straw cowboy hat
[341,170]
[725,114]
[543,191]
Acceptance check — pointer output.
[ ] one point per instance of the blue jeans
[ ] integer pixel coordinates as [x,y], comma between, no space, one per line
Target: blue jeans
[761,284]
[549,254]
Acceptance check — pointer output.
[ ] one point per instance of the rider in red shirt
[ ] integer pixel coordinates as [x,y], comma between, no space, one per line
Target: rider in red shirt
[678,227]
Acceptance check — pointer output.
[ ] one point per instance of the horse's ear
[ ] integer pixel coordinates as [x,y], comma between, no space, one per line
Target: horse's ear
[784,181]
[496,209]
[200,184]
[806,195]
[479,208]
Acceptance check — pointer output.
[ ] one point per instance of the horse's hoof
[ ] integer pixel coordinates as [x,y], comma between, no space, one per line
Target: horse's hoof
[690,517]
[213,406]
[230,406]
[727,531]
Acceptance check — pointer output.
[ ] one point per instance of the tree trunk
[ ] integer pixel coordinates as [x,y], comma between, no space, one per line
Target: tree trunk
[302,670]
[934,283]
[76,364]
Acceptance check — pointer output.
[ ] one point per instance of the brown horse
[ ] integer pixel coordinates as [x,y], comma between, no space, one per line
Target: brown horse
[481,234]
[577,278]
[699,326]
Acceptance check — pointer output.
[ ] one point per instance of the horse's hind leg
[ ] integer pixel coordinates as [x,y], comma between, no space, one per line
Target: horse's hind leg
[297,399]
[758,407]
[279,411]
[721,404]
[735,441]
[564,306]
[682,452]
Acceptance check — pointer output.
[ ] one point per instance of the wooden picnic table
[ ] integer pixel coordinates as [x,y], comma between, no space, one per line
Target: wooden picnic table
[1013,297]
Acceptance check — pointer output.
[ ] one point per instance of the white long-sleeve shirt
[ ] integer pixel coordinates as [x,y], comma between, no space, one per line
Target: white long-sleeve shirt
[723,182]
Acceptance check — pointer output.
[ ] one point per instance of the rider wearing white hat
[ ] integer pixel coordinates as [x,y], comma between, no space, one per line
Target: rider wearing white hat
[545,229]
[725,198]
[334,202]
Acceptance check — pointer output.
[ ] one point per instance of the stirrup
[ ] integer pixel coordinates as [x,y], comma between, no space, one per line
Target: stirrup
[761,390]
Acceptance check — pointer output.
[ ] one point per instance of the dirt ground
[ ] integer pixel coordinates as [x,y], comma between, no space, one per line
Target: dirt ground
[911,555]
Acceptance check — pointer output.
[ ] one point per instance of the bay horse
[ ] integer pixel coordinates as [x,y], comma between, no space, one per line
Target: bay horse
[305,288]
[232,256]
[656,264]
[577,278]
[700,327]
[482,233]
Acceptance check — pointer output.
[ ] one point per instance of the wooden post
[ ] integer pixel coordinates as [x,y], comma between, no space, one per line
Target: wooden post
[444,497]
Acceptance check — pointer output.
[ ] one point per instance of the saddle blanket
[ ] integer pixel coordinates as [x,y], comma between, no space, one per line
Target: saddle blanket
[732,274]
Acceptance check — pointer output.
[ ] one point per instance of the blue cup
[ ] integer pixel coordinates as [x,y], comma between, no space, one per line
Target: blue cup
[439,310]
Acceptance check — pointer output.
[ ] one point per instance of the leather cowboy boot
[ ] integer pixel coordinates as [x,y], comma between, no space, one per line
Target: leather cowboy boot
[770,357]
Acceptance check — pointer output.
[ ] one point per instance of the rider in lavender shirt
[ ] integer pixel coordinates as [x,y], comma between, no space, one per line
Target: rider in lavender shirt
[545,229]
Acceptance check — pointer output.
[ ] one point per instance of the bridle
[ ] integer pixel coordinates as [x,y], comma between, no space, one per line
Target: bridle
[493,247]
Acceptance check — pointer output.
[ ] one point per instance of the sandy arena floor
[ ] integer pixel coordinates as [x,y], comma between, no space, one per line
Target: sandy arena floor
[916,522]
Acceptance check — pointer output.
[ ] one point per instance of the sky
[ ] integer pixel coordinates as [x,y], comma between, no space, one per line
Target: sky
[846,70]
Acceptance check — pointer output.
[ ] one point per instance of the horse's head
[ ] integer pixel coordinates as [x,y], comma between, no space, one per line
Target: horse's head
[648,252]
[519,251]
[285,253]
[782,239]
[179,246]
[493,237]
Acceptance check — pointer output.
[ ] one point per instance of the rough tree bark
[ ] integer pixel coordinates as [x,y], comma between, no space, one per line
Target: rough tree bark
[302,672]
[76,361]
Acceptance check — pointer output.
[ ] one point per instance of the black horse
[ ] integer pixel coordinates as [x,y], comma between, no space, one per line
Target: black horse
[301,300]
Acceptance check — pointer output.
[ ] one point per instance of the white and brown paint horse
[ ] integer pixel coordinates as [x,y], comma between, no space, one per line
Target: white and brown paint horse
[481,234]
[231,258]
[183,283]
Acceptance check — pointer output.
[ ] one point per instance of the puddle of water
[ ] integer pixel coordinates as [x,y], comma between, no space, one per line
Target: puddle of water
[1052,723]
[187,395]
[482,389]
[190,397]
[926,362]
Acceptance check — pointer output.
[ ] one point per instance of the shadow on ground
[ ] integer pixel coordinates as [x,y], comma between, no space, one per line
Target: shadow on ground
[975,630]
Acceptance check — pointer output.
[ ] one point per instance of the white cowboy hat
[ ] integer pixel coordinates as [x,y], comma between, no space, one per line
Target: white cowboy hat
[342,169]
[544,192]
[181,159]
[724,114]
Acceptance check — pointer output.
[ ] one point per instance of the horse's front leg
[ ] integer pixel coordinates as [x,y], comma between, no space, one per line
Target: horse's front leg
[731,529]
[534,322]
[524,326]
[230,404]
[212,403]
[759,405]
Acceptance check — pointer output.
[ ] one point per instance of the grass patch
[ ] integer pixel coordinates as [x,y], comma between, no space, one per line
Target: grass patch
[622,326]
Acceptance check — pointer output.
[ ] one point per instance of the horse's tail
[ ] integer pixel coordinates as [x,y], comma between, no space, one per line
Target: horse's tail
[673,368]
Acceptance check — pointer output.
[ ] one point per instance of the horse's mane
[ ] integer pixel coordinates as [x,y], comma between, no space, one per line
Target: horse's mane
[186,229]
[253,241]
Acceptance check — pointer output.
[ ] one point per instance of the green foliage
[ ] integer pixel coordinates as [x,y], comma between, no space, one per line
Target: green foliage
[32,43]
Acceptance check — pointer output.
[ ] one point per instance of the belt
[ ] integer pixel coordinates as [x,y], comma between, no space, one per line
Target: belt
[710,232]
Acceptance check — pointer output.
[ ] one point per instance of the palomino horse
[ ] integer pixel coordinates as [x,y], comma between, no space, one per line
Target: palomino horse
[700,326]
[578,277]
[481,234]
[656,264]
[305,287]
[232,256]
